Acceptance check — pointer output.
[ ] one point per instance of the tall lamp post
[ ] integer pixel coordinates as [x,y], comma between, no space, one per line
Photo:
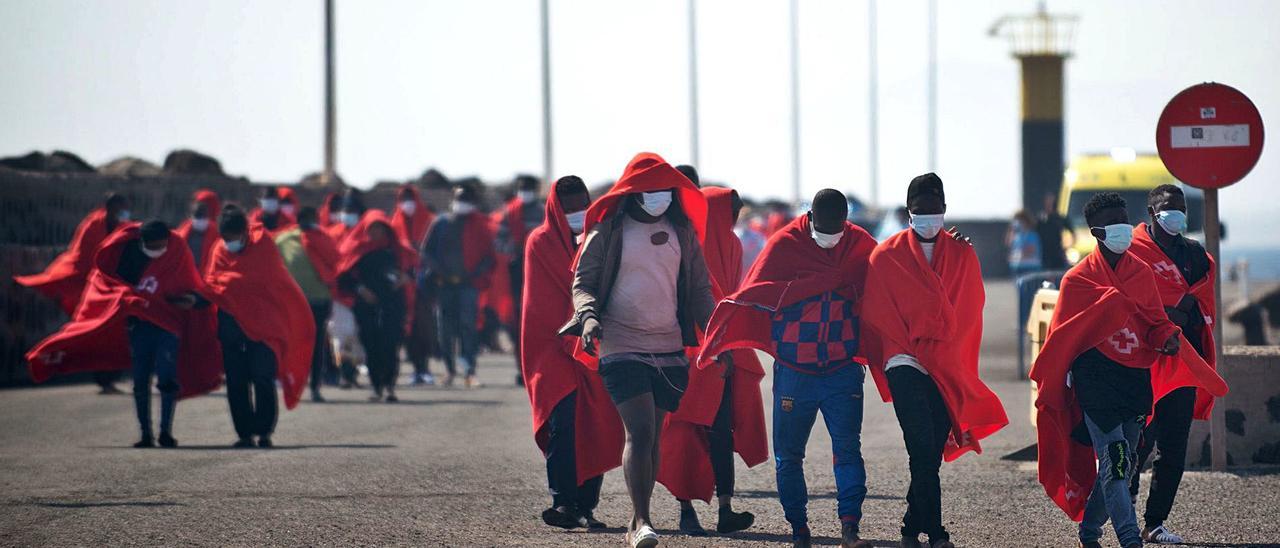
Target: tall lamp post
[330,139]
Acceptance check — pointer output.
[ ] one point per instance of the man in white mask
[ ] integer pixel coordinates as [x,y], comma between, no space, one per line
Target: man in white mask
[269,212]
[523,213]
[1184,274]
[569,402]
[457,263]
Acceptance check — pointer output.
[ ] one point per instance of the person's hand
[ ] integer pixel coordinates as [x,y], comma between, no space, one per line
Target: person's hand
[366,295]
[726,363]
[590,335]
[959,236]
[1171,346]
[185,301]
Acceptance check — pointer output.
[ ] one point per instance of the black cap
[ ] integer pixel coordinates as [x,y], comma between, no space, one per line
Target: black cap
[929,183]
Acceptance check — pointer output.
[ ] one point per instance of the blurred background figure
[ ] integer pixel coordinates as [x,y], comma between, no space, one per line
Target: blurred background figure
[1051,226]
[1024,245]
[522,214]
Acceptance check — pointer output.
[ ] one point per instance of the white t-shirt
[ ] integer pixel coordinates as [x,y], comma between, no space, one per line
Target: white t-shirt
[641,315]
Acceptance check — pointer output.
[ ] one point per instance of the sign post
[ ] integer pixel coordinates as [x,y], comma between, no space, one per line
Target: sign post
[1210,136]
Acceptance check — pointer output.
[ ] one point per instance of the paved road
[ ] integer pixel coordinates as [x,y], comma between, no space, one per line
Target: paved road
[459,468]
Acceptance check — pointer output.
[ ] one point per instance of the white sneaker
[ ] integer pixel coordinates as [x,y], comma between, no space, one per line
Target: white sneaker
[1160,535]
[428,379]
[644,537]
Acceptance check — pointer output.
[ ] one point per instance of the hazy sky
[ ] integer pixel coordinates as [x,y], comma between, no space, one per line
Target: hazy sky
[455,84]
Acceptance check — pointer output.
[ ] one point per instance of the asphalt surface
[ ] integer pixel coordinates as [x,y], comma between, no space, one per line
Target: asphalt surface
[455,467]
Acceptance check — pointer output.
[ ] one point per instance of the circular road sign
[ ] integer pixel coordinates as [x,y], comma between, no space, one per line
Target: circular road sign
[1209,135]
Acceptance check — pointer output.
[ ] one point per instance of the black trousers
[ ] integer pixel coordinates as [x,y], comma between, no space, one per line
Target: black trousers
[251,380]
[562,461]
[1167,436]
[381,330]
[517,304]
[925,426]
[321,354]
[420,345]
[720,438]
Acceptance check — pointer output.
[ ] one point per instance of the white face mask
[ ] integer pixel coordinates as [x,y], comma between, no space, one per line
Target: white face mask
[350,218]
[153,253]
[200,225]
[577,221]
[927,226]
[527,196]
[288,209]
[270,205]
[463,208]
[656,203]
[123,215]
[825,241]
[1172,221]
[409,207]
[1119,236]
[235,246]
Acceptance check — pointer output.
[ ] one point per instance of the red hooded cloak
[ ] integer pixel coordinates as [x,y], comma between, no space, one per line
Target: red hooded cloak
[213,208]
[64,279]
[686,455]
[328,208]
[547,360]
[411,229]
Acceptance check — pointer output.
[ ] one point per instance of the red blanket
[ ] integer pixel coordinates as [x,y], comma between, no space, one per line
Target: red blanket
[97,338]
[478,245]
[1118,312]
[1166,375]
[498,295]
[356,243]
[790,269]
[549,368]
[65,277]
[934,313]
[254,288]
[411,229]
[332,204]
[648,172]
[212,208]
[686,456]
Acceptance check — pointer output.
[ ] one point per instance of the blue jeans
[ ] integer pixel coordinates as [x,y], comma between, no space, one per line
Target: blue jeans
[797,398]
[153,351]
[1117,462]
[458,313]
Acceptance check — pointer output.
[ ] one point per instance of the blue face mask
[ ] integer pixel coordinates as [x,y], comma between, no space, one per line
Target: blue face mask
[350,219]
[1118,237]
[235,246]
[1172,221]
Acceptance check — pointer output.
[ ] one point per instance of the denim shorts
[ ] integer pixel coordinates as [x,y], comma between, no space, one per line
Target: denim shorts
[629,375]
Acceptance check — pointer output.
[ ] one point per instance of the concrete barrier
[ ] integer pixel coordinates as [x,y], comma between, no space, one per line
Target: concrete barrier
[1252,409]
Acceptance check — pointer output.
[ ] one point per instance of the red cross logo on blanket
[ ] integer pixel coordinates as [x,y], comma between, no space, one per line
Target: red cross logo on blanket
[1124,341]
[1167,270]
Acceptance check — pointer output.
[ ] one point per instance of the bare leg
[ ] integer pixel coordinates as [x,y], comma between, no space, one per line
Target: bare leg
[640,456]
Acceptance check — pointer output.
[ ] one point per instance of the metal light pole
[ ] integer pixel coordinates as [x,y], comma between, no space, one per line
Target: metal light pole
[873,104]
[327,177]
[932,161]
[795,102]
[693,84]
[548,170]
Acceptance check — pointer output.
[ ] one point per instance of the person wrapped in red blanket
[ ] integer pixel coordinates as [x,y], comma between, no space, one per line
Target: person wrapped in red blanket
[311,257]
[342,323]
[520,217]
[1108,330]
[374,272]
[141,295]
[264,325]
[411,220]
[721,411]
[800,303]
[64,279]
[271,211]
[330,212]
[1184,275]
[200,230]
[922,329]
[574,423]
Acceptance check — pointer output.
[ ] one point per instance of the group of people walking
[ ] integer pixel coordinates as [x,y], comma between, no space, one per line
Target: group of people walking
[660,375]
[640,315]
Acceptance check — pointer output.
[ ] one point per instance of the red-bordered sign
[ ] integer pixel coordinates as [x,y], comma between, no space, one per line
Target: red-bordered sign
[1209,136]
